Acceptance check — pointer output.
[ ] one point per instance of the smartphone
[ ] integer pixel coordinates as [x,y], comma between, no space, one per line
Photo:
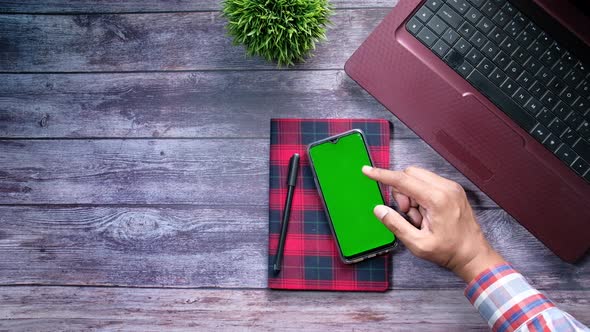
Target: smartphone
[349,196]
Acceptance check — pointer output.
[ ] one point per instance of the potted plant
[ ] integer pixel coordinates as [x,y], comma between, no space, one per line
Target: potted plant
[281,31]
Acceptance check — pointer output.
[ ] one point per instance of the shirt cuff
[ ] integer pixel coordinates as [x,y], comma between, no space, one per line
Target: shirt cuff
[504,298]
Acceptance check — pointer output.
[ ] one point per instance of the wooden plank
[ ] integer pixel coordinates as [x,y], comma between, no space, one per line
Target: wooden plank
[178,104]
[152,6]
[189,246]
[42,308]
[147,42]
[172,171]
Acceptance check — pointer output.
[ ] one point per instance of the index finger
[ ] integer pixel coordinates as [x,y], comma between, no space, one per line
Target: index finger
[402,182]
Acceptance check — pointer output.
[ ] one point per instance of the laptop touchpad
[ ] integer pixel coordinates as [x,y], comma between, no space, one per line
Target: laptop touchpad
[478,148]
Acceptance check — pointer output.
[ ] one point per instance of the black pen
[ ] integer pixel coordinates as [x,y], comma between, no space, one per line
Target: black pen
[291,181]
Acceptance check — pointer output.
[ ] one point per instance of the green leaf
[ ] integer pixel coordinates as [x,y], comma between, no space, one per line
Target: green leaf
[282,31]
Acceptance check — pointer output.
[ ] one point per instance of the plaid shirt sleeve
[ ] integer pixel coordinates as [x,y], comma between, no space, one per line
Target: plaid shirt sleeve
[508,303]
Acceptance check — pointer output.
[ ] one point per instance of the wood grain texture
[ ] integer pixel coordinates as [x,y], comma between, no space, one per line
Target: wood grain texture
[178,104]
[152,6]
[164,41]
[226,247]
[173,171]
[151,309]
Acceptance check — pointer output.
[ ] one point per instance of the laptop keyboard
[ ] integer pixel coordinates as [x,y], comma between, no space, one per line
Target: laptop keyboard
[520,68]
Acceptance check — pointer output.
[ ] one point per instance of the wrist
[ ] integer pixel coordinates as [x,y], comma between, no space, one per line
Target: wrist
[484,258]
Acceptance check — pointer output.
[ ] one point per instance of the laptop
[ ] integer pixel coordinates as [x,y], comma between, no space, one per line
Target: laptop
[501,89]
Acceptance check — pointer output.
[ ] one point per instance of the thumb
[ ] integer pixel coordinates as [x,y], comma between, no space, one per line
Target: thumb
[399,226]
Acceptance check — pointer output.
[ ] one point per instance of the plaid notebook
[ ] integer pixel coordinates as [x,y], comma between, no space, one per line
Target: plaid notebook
[311,260]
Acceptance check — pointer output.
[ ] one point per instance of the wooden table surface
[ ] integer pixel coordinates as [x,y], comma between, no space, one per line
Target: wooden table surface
[134,143]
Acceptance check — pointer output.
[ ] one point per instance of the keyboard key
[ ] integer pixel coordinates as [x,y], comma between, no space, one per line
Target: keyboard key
[549,100]
[437,25]
[532,30]
[508,45]
[549,58]
[536,49]
[520,55]
[504,103]
[497,77]
[533,106]
[474,57]
[466,30]
[537,90]
[497,35]
[509,8]
[484,25]
[478,39]
[513,28]
[584,88]
[566,154]
[556,85]
[450,36]
[584,130]
[462,46]
[434,5]
[489,9]
[490,50]
[465,69]
[569,59]
[502,60]
[441,48]
[573,78]
[473,15]
[580,166]
[582,148]
[501,18]
[426,36]
[532,65]
[524,38]
[509,87]
[568,96]
[486,67]
[520,19]
[414,26]
[544,40]
[581,68]
[561,110]
[569,136]
[477,3]
[450,16]
[423,14]
[525,80]
[561,68]
[521,97]
[540,133]
[574,120]
[552,143]
[545,116]
[557,126]
[513,70]
[461,6]
[557,50]
[545,76]
[581,106]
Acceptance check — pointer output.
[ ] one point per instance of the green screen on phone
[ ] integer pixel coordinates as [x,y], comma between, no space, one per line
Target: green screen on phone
[349,195]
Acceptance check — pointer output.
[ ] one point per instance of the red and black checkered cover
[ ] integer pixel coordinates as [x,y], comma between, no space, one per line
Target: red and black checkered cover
[311,260]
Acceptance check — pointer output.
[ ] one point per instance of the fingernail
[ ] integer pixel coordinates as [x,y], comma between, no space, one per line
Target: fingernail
[381,211]
[367,169]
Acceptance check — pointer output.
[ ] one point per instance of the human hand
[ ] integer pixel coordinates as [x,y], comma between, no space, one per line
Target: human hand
[443,229]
